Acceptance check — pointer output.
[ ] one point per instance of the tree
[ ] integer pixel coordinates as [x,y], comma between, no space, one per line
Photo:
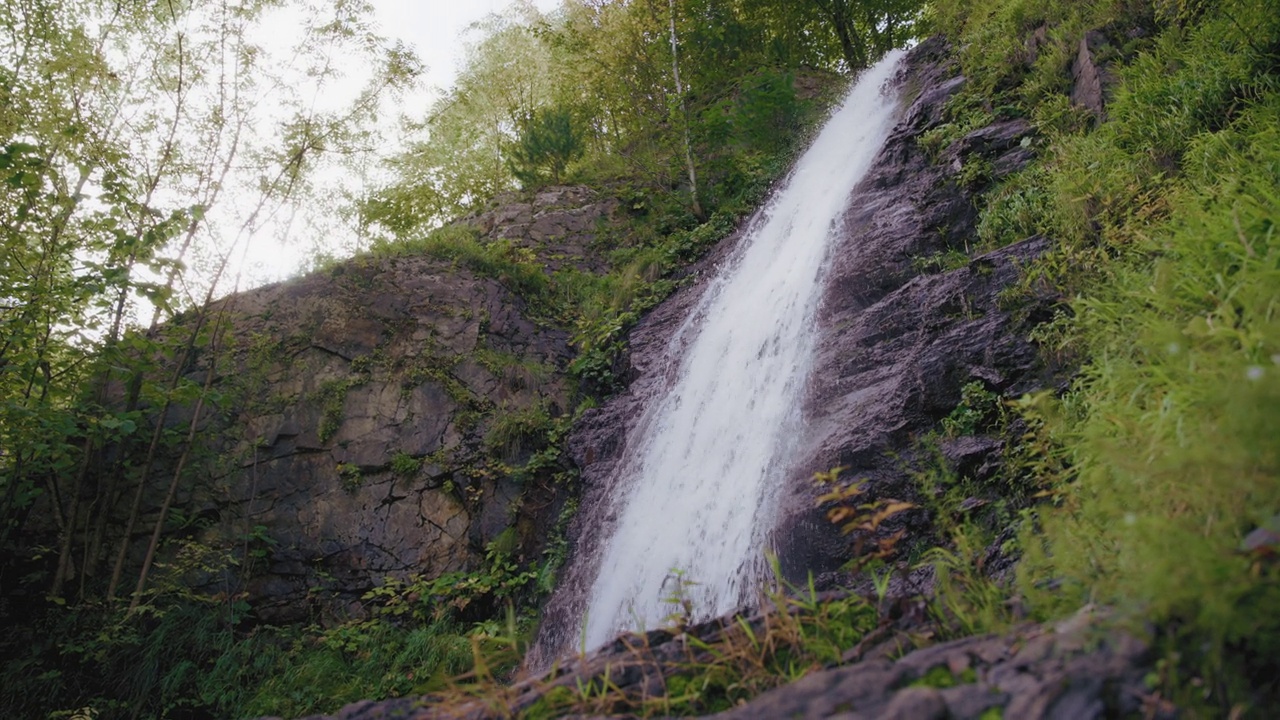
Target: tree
[141,146]
[683,117]
[867,29]
[548,142]
[457,156]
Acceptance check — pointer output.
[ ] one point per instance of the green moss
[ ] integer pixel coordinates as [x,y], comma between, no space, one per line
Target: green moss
[938,677]
[350,476]
[332,395]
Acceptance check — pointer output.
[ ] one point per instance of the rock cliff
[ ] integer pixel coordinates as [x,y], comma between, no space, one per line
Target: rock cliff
[374,412]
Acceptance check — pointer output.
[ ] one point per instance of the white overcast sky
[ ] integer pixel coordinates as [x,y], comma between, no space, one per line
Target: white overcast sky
[438,30]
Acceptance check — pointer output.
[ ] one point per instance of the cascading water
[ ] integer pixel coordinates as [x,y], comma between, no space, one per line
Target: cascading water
[705,464]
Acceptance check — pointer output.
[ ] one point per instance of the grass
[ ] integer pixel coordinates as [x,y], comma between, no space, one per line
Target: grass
[1160,457]
[798,632]
[515,268]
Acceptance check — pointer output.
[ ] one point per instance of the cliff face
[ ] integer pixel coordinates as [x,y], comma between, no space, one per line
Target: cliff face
[375,411]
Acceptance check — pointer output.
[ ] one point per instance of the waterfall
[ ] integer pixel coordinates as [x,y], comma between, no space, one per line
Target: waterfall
[699,483]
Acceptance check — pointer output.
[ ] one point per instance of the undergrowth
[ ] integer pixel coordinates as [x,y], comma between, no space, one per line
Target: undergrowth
[720,666]
[189,654]
[1164,215]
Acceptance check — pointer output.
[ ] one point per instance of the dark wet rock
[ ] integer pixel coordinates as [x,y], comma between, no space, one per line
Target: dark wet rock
[1005,144]
[970,456]
[1090,79]
[896,343]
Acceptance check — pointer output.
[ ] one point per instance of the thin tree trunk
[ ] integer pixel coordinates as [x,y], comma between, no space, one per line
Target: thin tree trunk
[94,544]
[64,551]
[841,19]
[136,508]
[158,529]
[285,174]
[684,111]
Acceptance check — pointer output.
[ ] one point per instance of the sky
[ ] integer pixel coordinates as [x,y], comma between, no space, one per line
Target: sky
[438,30]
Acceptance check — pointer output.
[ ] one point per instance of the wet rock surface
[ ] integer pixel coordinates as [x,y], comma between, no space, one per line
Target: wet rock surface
[899,334]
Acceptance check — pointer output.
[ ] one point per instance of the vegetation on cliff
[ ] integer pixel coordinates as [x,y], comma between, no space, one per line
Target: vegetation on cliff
[1158,462]
[1150,484]
[123,129]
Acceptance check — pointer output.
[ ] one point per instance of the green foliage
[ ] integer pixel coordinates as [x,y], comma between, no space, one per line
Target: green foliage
[514,267]
[350,476]
[332,395]
[944,261]
[853,514]
[515,433]
[941,677]
[404,464]
[1160,458]
[184,652]
[978,408]
[548,142]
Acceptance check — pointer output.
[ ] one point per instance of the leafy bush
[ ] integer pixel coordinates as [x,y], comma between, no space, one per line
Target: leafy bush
[549,141]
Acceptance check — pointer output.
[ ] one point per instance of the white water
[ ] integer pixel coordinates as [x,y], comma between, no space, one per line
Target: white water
[708,459]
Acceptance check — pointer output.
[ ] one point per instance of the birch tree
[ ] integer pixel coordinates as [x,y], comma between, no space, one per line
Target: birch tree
[141,147]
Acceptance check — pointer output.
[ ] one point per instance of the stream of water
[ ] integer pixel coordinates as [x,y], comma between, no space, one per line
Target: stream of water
[708,459]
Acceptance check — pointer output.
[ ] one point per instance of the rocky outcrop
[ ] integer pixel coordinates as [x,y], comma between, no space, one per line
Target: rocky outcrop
[1054,672]
[559,225]
[1090,80]
[898,335]
[373,414]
